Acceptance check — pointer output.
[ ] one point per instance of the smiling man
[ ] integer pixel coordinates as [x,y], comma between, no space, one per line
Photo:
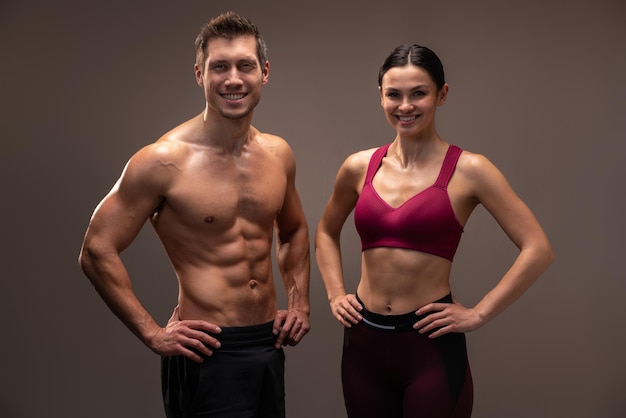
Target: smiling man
[215,190]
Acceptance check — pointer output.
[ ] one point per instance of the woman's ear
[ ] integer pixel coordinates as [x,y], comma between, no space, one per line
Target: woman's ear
[442,95]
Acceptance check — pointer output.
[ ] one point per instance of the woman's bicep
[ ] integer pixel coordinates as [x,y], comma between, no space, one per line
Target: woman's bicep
[341,202]
[512,214]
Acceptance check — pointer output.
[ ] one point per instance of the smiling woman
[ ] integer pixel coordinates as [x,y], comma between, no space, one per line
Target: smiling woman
[404,350]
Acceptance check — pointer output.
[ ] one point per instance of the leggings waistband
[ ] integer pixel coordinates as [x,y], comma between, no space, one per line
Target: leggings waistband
[402,322]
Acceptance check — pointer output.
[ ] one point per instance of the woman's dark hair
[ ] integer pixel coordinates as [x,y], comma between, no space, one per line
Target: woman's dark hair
[417,55]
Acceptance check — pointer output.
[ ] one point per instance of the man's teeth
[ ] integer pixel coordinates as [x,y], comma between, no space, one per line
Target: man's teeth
[233,96]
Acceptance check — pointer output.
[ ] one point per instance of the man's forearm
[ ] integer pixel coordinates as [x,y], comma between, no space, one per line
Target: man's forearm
[293,258]
[111,281]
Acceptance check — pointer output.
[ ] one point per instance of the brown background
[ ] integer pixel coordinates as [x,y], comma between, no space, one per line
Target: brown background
[537,86]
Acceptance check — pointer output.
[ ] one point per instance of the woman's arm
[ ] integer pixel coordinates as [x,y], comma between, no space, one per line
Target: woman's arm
[349,179]
[492,190]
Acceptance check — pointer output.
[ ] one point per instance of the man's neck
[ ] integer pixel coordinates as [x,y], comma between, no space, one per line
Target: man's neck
[228,135]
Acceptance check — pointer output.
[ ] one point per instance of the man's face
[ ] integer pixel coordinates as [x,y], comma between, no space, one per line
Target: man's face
[232,76]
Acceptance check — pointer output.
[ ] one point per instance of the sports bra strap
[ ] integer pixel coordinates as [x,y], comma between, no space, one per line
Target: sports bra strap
[375,161]
[449,163]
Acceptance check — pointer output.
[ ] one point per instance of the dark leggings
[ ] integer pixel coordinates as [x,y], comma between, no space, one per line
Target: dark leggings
[244,378]
[391,370]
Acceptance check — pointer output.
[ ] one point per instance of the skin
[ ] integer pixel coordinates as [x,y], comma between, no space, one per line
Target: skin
[396,281]
[215,189]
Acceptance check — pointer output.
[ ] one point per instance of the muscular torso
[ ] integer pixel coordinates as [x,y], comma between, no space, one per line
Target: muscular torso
[216,222]
[394,280]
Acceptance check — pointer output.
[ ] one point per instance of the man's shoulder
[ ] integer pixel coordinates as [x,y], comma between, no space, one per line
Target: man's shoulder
[268,138]
[275,144]
[159,156]
[165,147]
[175,143]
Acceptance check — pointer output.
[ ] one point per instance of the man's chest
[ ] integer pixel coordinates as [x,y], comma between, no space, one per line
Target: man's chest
[211,196]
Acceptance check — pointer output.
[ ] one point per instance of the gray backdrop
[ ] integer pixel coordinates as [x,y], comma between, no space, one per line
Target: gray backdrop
[537,86]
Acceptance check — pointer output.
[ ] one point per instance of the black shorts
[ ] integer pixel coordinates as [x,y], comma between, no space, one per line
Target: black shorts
[244,378]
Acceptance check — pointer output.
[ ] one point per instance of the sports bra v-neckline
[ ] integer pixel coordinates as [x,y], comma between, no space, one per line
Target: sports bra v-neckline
[437,182]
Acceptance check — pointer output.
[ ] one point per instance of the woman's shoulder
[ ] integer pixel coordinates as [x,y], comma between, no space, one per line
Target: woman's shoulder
[359,160]
[353,169]
[473,163]
[479,172]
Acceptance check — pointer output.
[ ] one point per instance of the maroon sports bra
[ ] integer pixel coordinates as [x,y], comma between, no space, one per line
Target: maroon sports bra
[426,222]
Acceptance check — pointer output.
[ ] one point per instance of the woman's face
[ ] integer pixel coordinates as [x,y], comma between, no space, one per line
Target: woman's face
[409,98]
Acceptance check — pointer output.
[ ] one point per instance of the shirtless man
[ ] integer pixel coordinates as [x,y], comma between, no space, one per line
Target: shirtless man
[214,188]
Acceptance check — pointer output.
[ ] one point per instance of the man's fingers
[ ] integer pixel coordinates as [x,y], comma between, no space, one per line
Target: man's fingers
[290,327]
[298,331]
[278,322]
[197,324]
[203,339]
[284,332]
[195,334]
[192,355]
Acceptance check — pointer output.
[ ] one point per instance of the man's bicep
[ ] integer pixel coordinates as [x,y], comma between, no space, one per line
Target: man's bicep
[114,223]
[122,213]
[291,217]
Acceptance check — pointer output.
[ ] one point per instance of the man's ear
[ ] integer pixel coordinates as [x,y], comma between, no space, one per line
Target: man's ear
[198,74]
[266,73]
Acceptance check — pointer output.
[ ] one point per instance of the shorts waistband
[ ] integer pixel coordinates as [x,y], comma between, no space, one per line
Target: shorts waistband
[402,322]
[250,335]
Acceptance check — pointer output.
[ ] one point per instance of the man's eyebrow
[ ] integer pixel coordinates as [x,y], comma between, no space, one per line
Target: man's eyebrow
[227,61]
